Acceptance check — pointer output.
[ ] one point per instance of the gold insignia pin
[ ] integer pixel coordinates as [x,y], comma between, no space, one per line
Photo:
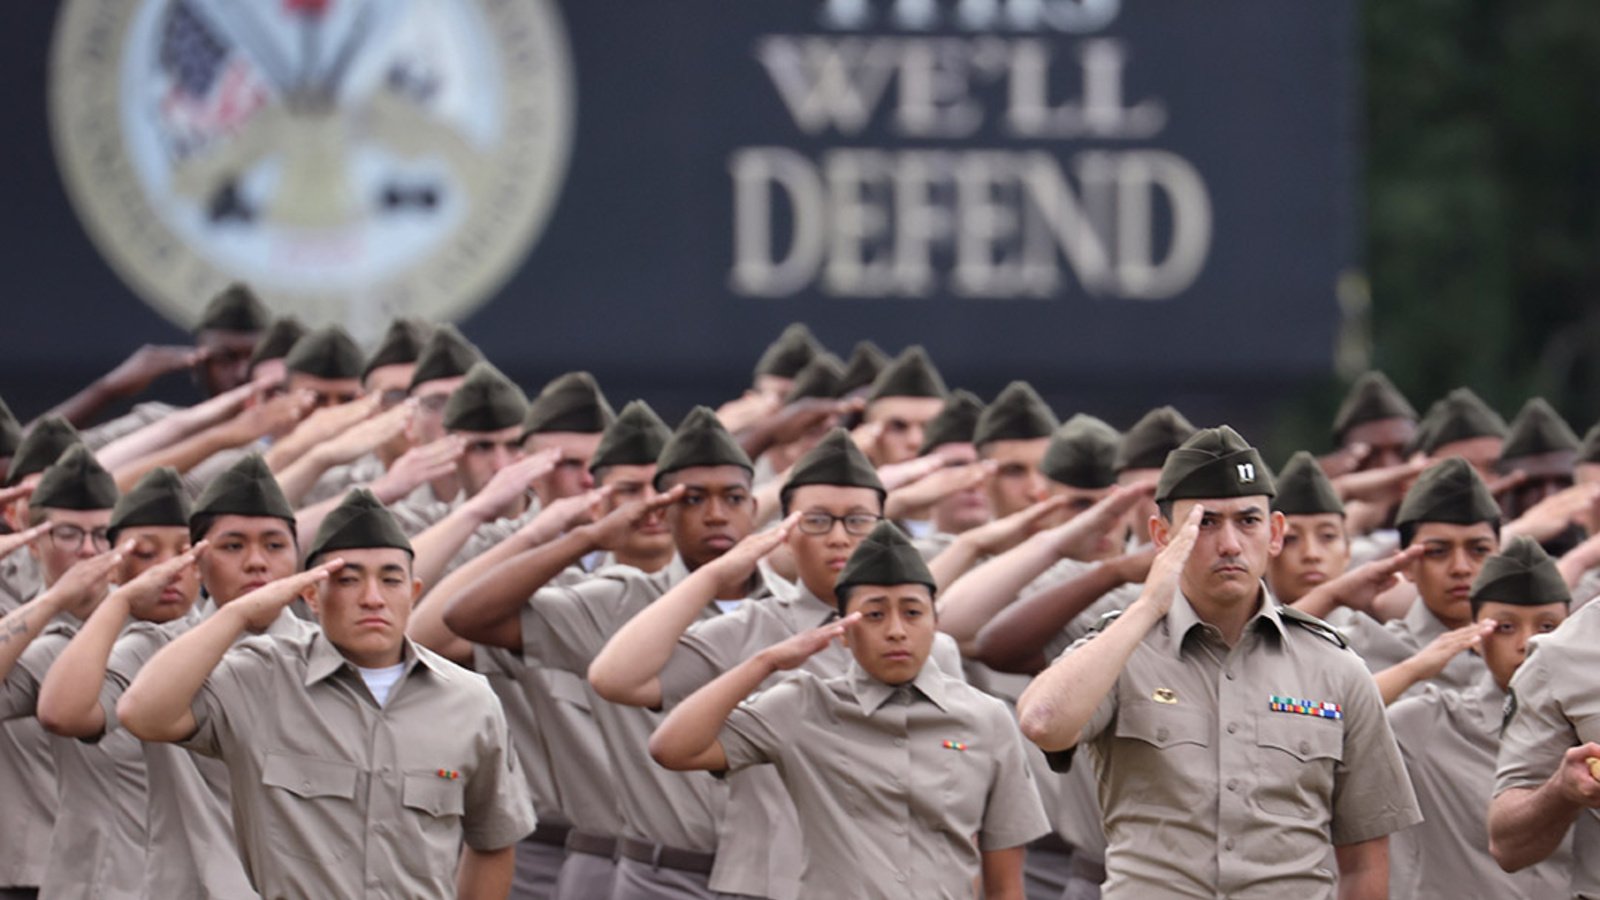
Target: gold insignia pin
[1165,695]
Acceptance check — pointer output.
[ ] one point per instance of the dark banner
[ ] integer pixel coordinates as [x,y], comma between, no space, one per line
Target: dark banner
[1083,192]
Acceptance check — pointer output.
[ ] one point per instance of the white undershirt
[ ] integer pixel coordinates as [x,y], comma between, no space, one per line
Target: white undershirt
[381,681]
[727,606]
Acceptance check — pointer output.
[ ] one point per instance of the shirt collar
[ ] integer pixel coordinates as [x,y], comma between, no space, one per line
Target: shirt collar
[1421,621]
[1181,618]
[323,660]
[810,609]
[872,694]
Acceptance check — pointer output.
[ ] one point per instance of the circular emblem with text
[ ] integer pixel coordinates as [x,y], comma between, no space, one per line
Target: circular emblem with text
[349,159]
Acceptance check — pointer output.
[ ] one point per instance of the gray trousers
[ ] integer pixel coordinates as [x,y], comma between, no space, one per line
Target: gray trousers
[640,881]
[585,876]
[538,866]
[1046,874]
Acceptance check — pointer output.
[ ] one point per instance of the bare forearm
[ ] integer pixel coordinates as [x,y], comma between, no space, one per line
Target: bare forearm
[687,739]
[1015,639]
[476,609]
[951,563]
[634,657]
[183,456]
[1399,678]
[299,477]
[973,600]
[435,547]
[21,626]
[1059,703]
[485,874]
[1526,825]
[156,706]
[1364,870]
[1002,874]
[69,698]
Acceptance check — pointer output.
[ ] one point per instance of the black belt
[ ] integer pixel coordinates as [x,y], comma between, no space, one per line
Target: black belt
[1052,843]
[593,844]
[660,856]
[1087,869]
[550,833]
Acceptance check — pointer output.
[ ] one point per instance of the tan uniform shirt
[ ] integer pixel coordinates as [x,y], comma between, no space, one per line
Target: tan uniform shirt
[97,845]
[759,851]
[196,479]
[891,783]
[141,415]
[1556,708]
[336,796]
[1449,741]
[421,510]
[563,629]
[1386,644]
[27,784]
[189,819]
[339,479]
[1208,791]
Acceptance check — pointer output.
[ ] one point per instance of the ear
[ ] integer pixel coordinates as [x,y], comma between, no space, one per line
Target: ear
[1278,525]
[416,590]
[1160,531]
[312,595]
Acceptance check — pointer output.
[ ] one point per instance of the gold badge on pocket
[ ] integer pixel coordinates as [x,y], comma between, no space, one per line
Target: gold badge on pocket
[1165,695]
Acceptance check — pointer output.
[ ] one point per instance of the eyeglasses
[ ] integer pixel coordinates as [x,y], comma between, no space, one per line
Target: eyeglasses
[393,397]
[821,523]
[433,403]
[70,538]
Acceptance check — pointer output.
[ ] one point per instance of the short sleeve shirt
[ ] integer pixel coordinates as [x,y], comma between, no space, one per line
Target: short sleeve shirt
[1233,772]
[334,795]
[1386,644]
[1555,706]
[898,789]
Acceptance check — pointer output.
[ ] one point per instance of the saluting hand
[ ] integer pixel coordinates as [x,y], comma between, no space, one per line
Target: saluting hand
[944,481]
[792,652]
[1084,535]
[1431,660]
[1359,588]
[737,565]
[993,538]
[511,482]
[10,543]
[612,531]
[558,516]
[1161,588]
[262,605]
[418,466]
[84,585]
[157,578]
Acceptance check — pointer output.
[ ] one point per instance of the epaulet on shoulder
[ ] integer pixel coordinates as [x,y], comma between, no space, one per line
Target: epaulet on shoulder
[1104,621]
[1315,626]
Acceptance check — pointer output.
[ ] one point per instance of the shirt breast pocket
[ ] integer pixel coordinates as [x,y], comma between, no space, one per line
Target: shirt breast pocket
[434,806]
[1156,740]
[566,687]
[1296,762]
[311,812]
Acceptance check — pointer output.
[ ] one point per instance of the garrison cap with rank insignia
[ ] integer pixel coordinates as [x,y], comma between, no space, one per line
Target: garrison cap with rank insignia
[700,440]
[158,499]
[884,557]
[486,401]
[1157,433]
[276,342]
[1017,414]
[445,355]
[76,481]
[786,356]
[1460,415]
[402,343]
[10,431]
[1448,491]
[1372,398]
[1304,489]
[911,374]
[326,353]
[862,369]
[835,461]
[1082,454]
[359,522]
[245,488]
[41,447]
[1522,574]
[636,438]
[569,403]
[234,308]
[955,423]
[1539,431]
[1212,464]
[820,378]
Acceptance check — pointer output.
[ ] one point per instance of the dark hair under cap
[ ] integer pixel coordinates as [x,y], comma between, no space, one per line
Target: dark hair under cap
[862,369]
[636,438]
[786,356]
[1157,433]
[884,557]
[486,401]
[445,355]
[955,423]
[359,522]
[246,488]
[402,343]
[10,430]
[76,481]
[234,308]
[1213,464]
[1522,574]
[1017,414]
[1372,398]
[159,499]
[41,446]
[1304,489]
[820,378]
[326,353]
[1449,491]
[911,374]
[1082,454]
[1536,430]
[700,440]
[835,461]
[569,403]
[276,342]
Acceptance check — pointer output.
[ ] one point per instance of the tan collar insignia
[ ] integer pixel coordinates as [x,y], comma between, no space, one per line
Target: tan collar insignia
[1165,695]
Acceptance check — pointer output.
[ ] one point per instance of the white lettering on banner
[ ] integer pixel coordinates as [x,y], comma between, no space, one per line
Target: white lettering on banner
[1071,16]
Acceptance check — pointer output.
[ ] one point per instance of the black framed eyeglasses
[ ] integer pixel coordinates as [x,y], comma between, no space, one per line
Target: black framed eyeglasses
[854,523]
[71,537]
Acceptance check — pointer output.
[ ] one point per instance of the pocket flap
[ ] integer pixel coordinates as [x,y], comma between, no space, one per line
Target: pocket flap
[1303,737]
[434,795]
[1164,725]
[306,776]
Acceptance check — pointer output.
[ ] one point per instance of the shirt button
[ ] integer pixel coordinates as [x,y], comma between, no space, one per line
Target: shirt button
[1233,784]
[1305,748]
[1227,844]
[899,742]
[1233,727]
[1161,734]
[900,877]
[1230,674]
